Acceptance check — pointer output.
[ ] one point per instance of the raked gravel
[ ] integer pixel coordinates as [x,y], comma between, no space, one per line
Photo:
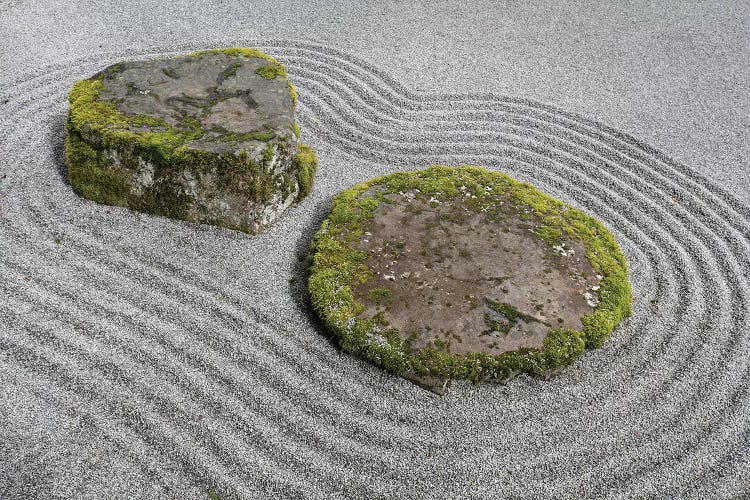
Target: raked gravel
[144,357]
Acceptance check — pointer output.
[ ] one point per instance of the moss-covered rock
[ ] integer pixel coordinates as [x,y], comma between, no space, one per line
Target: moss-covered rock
[209,137]
[464,273]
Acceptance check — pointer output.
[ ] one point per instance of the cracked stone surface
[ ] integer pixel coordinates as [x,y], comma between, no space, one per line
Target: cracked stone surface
[471,282]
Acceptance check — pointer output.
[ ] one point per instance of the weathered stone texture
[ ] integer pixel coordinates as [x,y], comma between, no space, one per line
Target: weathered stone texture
[460,272]
[208,137]
[448,268]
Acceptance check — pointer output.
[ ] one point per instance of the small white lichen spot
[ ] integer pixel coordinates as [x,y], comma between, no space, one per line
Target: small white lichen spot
[191,184]
[389,277]
[565,252]
[274,158]
[591,299]
[145,176]
[377,339]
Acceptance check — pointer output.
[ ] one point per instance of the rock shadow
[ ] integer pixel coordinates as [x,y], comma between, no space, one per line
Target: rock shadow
[56,138]
[300,267]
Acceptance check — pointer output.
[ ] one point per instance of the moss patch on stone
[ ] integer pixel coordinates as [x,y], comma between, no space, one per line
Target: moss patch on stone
[263,136]
[90,175]
[269,72]
[106,147]
[510,312]
[91,117]
[237,52]
[338,267]
[305,164]
[292,92]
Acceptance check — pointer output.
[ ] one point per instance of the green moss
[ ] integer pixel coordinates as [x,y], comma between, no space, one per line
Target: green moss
[380,296]
[114,69]
[237,52]
[91,116]
[295,129]
[511,315]
[263,136]
[271,71]
[305,164]
[232,70]
[337,268]
[292,93]
[551,234]
[378,293]
[268,155]
[509,311]
[91,173]
[496,326]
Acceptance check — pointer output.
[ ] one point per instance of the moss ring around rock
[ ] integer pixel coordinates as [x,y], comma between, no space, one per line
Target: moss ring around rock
[208,137]
[462,273]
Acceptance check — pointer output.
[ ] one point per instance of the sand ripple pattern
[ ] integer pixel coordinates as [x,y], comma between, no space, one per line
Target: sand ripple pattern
[182,361]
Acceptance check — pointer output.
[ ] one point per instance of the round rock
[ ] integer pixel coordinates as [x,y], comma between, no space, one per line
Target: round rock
[209,137]
[464,273]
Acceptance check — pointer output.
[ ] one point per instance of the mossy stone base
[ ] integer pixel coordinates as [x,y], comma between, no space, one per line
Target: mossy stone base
[464,273]
[209,137]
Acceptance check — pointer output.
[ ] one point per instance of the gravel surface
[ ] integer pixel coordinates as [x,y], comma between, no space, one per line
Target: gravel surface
[144,357]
